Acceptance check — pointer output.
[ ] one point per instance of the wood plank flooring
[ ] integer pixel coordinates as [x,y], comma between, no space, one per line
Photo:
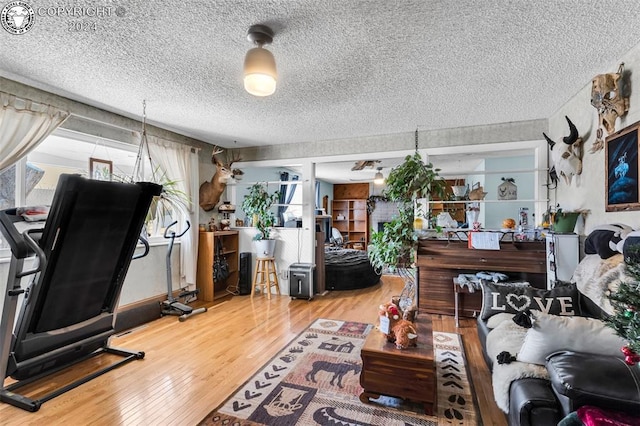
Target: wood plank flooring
[191,367]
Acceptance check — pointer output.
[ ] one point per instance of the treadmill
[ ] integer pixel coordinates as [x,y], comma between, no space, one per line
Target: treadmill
[81,255]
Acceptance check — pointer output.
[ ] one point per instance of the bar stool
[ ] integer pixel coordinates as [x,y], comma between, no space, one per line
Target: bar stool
[265,276]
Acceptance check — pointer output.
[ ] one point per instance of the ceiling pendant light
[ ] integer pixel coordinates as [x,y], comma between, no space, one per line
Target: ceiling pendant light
[378,179]
[260,73]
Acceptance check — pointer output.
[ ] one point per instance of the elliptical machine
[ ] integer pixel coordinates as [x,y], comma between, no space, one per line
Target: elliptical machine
[172,306]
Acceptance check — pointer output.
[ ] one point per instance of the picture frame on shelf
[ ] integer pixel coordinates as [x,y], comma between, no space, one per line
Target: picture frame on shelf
[622,191]
[100,169]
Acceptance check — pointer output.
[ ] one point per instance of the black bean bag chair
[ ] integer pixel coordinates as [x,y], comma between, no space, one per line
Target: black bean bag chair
[348,270]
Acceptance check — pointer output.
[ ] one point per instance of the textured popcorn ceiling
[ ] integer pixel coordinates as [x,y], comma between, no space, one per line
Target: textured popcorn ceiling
[346,68]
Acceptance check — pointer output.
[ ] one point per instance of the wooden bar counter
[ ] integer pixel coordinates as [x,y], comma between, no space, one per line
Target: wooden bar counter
[441,260]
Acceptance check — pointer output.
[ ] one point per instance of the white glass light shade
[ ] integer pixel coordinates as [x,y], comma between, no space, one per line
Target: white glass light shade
[260,72]
[378,178]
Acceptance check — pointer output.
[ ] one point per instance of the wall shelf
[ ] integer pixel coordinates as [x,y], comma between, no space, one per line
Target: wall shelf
[486,201]
[275,182]
[490,172]
[286,205]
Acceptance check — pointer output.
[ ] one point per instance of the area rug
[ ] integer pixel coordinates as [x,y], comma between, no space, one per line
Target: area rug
[315,380]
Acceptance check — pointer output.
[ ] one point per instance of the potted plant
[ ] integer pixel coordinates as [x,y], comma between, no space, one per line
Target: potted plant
[170,201]
[257,204]
[562,221]
[395,246]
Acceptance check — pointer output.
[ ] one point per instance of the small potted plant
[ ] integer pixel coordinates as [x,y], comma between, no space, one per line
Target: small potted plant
[257,204]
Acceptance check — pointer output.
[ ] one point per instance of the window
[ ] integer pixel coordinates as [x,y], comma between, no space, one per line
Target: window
[33,180]
[295,207]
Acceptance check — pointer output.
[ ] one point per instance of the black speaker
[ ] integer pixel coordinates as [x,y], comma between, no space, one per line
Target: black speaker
[244,283]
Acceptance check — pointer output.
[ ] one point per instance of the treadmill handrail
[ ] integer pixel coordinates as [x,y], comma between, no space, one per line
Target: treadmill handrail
[13,237]
[42,259]
[145,243]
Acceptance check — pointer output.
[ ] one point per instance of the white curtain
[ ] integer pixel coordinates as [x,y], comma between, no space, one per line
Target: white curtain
[23,125]
[179,162]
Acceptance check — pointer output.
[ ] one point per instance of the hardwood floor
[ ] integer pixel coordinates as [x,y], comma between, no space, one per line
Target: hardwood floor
[191,367]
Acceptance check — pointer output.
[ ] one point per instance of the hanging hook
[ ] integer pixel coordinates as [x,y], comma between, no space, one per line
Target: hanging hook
[416,139]
[144,116]
[144,144]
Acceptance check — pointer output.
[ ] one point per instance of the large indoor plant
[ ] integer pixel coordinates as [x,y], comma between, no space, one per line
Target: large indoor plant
[394,247]
[257,205]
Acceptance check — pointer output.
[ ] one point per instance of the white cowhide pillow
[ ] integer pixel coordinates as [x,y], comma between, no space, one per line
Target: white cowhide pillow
[552,333]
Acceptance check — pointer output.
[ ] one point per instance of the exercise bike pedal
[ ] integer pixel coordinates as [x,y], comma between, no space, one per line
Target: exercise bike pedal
[175,308]
[185,293]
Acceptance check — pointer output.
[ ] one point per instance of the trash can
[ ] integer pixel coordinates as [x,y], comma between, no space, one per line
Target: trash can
[301,280]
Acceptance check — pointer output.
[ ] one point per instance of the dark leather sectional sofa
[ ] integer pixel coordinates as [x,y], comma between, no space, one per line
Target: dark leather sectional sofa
[576,379]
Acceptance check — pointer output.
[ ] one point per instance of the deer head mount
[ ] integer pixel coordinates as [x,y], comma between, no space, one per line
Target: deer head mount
[210,192]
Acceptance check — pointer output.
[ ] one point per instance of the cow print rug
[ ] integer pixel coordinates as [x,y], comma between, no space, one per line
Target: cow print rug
[315,380]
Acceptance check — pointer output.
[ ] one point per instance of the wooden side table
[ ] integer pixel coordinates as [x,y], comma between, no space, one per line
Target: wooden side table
[457,290]
[456,299]
[402,373]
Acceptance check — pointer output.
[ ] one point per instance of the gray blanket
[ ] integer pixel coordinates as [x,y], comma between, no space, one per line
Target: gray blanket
[345,257]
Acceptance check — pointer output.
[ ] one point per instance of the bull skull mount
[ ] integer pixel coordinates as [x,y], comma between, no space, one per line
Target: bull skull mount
[210,191]
[567,156]
[608,98]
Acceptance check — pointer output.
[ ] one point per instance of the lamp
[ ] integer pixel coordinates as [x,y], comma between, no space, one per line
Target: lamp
[260,73]
[378,179]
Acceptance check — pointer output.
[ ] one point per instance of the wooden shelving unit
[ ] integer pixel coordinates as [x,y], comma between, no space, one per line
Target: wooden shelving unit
[457,210]
[208,289]
[350,205]
[351,219]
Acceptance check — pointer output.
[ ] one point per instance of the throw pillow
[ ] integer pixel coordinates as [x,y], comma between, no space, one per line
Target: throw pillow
[603,239]
[552,333]
[631,247]
[517,297]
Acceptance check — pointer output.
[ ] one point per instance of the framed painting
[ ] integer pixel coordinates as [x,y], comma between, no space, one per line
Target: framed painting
[100,169]
[621,179]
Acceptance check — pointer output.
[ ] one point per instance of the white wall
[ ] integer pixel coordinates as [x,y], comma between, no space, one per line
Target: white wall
[496,212]
[147,277]
[289,249]
[326,188]
[587,191]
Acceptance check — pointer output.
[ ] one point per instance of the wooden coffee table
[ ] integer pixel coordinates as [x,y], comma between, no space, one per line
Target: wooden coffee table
[409,374]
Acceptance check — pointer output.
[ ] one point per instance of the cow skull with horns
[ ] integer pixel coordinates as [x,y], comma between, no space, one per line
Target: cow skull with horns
[566,157]
[210,192]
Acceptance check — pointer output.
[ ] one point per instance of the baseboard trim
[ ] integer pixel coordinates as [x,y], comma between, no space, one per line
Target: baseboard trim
[137,313]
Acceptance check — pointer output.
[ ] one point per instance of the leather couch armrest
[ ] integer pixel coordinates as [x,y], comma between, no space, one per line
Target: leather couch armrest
[483,331]
[581,379]
[532,403]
